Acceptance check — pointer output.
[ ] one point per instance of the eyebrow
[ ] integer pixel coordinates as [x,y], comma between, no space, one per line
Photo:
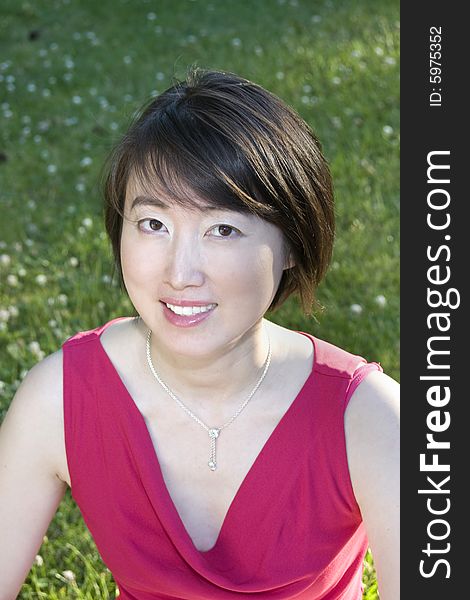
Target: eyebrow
[149,201]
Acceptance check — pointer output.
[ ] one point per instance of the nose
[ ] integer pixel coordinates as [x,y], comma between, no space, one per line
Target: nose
[183,266]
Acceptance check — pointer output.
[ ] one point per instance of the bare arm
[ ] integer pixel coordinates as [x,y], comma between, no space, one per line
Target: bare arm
[373,440]
[30,490]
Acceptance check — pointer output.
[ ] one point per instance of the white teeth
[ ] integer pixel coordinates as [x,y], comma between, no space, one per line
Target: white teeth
[189,310]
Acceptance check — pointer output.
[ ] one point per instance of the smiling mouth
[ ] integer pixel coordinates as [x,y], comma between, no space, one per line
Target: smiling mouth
[189,310]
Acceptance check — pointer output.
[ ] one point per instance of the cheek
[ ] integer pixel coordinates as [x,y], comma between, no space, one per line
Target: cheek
[253,274]
[137,264]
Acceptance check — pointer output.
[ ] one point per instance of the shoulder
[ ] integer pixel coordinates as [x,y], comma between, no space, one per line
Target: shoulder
[37,408]
[373,452]
[45,377]
[372,435]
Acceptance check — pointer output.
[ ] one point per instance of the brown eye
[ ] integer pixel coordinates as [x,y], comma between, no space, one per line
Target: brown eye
[149,225]
[225,230]
[154,224]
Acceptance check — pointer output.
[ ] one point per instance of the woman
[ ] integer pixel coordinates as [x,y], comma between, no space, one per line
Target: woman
[212,453]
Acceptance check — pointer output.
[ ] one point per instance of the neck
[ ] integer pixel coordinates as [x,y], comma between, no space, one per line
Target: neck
[225,377]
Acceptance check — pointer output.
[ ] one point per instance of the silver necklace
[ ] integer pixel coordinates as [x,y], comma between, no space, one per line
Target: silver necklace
[213,432]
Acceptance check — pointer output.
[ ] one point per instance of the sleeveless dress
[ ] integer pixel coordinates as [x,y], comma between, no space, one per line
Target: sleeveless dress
[293,529]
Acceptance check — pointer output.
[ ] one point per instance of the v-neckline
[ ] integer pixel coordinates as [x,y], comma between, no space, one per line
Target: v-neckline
[147,440]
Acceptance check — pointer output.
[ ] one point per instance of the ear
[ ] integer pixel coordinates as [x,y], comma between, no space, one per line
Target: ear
[289,262]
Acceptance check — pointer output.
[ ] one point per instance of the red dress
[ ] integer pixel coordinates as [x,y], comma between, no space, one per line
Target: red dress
[293,530]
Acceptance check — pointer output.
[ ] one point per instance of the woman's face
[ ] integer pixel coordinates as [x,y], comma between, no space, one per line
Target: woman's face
[227,261]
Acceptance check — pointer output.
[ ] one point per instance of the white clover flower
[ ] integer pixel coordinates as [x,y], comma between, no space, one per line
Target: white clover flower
[280,75]
[8,114]
[379,51]
[86,161]
[387,130]
[69,575]
[62,298]
[13,310]
[4,315]
[53,46]
[151,16]
[80,186]
[106,279]
[381,300]
[68,76]
[356,309]
[389,60]
[3,385]
[77,35]
[87,222]
[160,76]
[22,272]
[52,80]
[34,347]
[336,80]
[52,168]
[158,29]
[5,260]
[12,280]
[236,42]
[127,60]
[31,87]
[31,204]
[69,64]
[37,138]
[41,279]
[76,99]
[316,19]
[46,93]
[114,125]
[52,323]
[38,560]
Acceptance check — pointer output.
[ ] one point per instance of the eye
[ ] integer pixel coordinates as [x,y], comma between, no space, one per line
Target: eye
[149,225]
[224,231]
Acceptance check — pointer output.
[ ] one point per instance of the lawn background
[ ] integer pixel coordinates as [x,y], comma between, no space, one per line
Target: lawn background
[72,75]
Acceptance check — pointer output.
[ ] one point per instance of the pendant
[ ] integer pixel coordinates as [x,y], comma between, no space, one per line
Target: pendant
[213,435]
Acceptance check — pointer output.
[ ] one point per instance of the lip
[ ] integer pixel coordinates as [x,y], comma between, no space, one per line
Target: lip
[186,320]
[177,302]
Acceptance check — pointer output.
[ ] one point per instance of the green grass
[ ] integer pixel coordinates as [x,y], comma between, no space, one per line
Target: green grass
[67,95]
